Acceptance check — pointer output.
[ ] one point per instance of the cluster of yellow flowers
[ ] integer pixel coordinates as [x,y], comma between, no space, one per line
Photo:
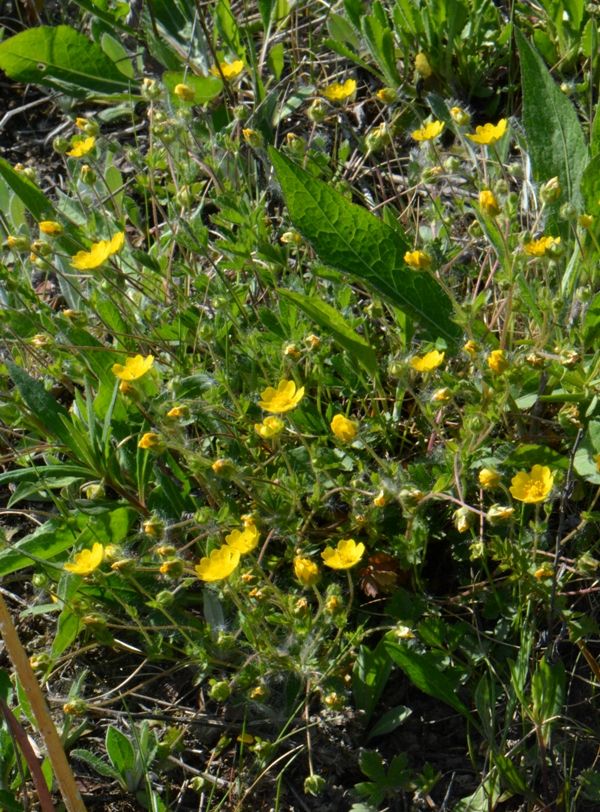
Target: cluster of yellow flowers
[224,560]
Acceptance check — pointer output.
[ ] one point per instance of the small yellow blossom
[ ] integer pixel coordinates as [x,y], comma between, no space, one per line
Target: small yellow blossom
[422,66]
[218,565]
[223,467]
[387,95]
[380,500]
[81,123]
[177,412]
[86,561]
[497,362]
[463,519]
[51,228]
[539,247]
[244,541]
[441,395]
[306,571]
[428,132]
[488,203]
[499,513]
[270,427]
[489,479]
[417,259]
[460,116]
[345,555]
[149,440]
[585,220]
[344,429]
[81,147]
[428,362]
[313,341]
[471,347]
[534,486]
[291,351]
[184,92]
[252,137]
[286,397]
[333,604]
[488,134]
[173,567]
[98,253]
[545,571]
[337,92]
[230,70]
[133,368]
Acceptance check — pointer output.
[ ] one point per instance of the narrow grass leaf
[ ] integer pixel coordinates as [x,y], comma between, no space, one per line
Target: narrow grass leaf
[354,241]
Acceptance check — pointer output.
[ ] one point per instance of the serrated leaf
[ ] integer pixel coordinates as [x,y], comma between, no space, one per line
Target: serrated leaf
[61,58]
[554,136]
[98,764]
[354,241]
[328,318]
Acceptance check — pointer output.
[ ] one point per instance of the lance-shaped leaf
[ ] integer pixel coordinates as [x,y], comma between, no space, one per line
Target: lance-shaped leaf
[351,239]
[554,136]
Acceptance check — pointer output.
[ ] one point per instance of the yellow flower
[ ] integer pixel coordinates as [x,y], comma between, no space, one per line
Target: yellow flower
[81,123]
[178,411]
[252,137]
[81,147]
[428,362]
[499,513]
[244,541]
[333,604]
[99,252]
[51,228]
[422,66]
[429,131]
[471,347]
[488,203]
[184,92]
[306,571]
[149,440]
[270,427]
[387,95]
[463,519]
[230,70]
[86,561]
[133,368]
[497,362]
[585,220]
[545,571]
[282,399]
[488,133]
[337,92]
[417,259]
[218,565]
[489,479]
[441,395]
[345,430]
[534,486]
[380,500]
[345,555]
[460,116]
[539,247]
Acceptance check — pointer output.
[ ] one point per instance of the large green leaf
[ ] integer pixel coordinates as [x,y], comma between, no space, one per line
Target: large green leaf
[63,59]
[44,543]
[554,136]
[424,671]
[338,328]
[354,241]
[33,198]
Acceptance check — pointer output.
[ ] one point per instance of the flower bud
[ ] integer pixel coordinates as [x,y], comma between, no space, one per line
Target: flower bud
[460,116]
[87,175]
[253,137]
[314,785]
[550,191]
[220,690]
[463,519]
[422,66]
[150,89]
[387,95]
[317,112]
[61,144]
[184,92]
[499,513]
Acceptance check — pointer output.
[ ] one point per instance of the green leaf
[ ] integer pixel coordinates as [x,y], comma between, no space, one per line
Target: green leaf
[369,677]
[96,763]
[33,198]
[371,765]
[547,695]
[590,187]
[328,318]
[63,59]
[585,462]
[120,751]
[67,630]
[47,412]
[554,136]
[591,324]
[354,241]
[390,721]
[424,671]
[44,543]
[118,55]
